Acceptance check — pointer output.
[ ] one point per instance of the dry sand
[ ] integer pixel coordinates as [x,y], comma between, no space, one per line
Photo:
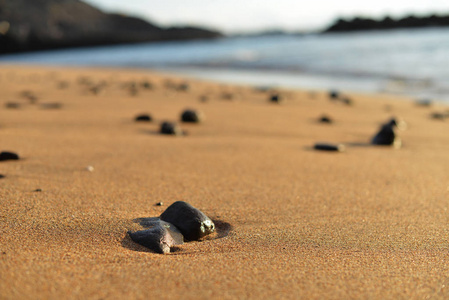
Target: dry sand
[369,223]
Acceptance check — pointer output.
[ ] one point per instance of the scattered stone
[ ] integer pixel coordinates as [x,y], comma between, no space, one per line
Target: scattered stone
[2,176]
[334,95]
[183,87]
[143,118]
[439,115]
[146,85]
[29,95]
[159,238]
[170,128]
[95,90]
[191,116]
[12,105]
[423,102]
[192,223]
[62,85]
[51,105]
[227,96]
[133,91]
[325,119]
[387,136]
[329,147]
[347,101]
[160,204]
[8,156]
[275,98]
[90,168]
[38,190]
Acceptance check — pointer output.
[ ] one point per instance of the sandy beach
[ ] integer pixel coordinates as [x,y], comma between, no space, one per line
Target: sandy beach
[292,222]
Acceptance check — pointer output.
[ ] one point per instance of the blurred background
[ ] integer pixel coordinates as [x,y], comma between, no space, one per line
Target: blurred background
[399,47]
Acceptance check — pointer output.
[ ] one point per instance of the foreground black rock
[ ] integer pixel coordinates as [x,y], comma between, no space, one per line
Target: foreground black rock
[191,116]
[160,238]
[178,223]
[8,156]
[192,223]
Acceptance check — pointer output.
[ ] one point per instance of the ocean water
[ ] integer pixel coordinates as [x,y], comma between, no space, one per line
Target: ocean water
[407,62]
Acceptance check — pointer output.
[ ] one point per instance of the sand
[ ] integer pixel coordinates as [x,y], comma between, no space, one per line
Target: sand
[368,223]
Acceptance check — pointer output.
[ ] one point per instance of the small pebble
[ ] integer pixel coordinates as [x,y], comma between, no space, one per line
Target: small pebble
[160,204]
[170,128]
[275,98]
[423,102]
[90,168]
[191,116]
[143,118]
[333,94]
[329,147]
[146,85]
[12,105]
[8,156]
[192,223]
[439,116]
[183,87]
[347,101]
[2,176]
[227,96]
[53,105]
[38,190]
[325,119]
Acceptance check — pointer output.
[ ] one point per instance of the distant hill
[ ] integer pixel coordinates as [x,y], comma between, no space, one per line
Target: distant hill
[28,25]
[359,24]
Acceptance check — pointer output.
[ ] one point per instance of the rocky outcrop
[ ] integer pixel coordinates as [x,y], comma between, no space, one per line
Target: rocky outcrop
[27,25]
[359,24]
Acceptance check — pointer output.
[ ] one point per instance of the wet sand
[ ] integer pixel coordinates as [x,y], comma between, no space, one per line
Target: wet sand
[367,223]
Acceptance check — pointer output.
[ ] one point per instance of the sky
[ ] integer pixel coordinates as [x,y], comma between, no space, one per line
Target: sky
[234,16]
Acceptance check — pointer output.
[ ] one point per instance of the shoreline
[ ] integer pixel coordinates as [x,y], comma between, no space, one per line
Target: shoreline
[370,222]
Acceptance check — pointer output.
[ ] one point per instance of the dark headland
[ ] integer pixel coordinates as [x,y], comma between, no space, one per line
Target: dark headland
[29,25]
[386,23]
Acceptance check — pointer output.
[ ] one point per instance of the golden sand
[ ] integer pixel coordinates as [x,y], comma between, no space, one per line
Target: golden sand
[368,223]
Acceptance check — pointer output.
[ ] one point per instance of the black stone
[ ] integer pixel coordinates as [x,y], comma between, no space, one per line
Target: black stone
[143,118]
[38,190]
[159,204]
[2,176]
[8,156]
[333,94]
[192,223]
[325,119]
[191,116]
[159,238]
[386,135]
[329,147]
[276,98]
[170,128]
